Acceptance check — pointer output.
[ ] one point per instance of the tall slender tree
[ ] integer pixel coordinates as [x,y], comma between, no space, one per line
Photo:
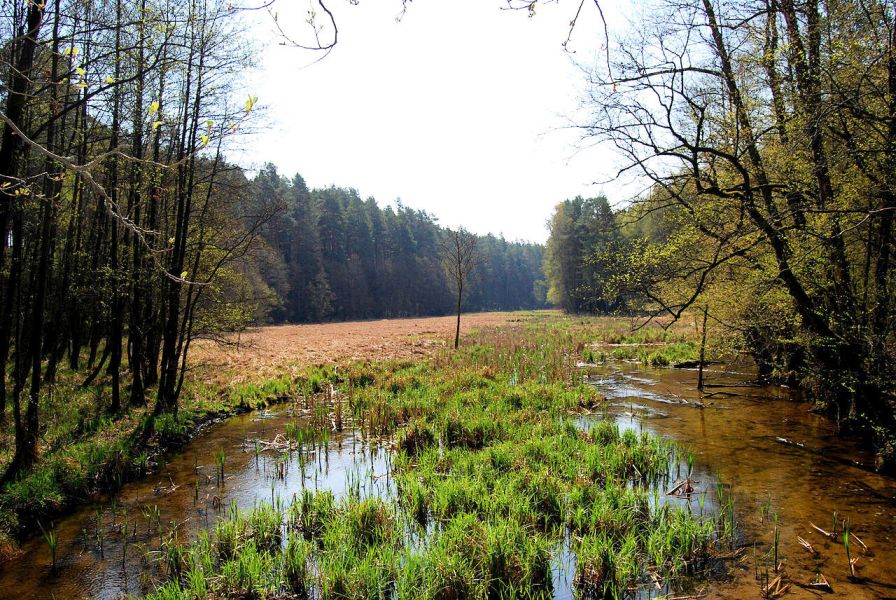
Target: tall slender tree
[459,255]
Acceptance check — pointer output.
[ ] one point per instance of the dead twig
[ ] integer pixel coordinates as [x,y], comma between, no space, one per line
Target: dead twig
[776,588]
[684,488]
[805,544]
[827,534]
[820,583]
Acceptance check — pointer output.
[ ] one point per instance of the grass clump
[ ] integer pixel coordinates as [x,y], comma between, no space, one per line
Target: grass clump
[230,533]
[475,559]
[295,566]
[265,525]
[251,574]
[359,524]
[467,431]
[415,438]
[605,566]
[309,514]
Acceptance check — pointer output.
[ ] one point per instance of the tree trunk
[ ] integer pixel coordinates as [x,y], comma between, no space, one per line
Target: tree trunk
[460,292]
[10,144]
[117,316]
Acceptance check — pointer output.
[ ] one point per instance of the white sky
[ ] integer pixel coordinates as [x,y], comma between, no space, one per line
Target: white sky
[461,109]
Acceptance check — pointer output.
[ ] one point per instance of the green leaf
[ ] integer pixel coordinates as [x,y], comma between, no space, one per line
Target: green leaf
[153,108]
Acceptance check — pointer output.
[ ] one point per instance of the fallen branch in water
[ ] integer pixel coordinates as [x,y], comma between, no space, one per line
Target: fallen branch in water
[725,394]
[827,534]
[820,583]
[684,488]
[734,554]
[776,588]
[733,385]
[805,544]
[696,596]
[833,458]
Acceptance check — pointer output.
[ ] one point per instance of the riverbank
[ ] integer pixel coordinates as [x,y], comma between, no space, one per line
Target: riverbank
[87,453]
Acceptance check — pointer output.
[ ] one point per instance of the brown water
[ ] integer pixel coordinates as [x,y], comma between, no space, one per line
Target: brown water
[775,454]
[84,570]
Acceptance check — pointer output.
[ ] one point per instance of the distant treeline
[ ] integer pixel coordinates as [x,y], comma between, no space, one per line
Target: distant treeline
[580,228]
[329,255]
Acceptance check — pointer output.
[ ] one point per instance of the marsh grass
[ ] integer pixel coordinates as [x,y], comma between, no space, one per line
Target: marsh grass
[492,468]
[851,562]
[86,451]
[220,462]
[51,539]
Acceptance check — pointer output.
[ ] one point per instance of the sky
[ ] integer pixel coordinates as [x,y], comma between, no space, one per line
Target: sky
[461,109]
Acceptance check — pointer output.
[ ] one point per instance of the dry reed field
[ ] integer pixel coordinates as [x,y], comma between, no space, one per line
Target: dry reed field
[266,350]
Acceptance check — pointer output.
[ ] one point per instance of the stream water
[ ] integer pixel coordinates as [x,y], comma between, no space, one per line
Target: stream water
[777,456]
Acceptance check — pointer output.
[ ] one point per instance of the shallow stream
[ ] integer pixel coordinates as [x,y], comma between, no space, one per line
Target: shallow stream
[777,456]
[780,457]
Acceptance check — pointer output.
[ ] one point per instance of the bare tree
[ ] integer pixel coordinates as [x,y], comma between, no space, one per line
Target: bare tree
[459,256]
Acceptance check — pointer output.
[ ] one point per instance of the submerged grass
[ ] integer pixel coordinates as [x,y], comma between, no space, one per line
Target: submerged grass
[495,482]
